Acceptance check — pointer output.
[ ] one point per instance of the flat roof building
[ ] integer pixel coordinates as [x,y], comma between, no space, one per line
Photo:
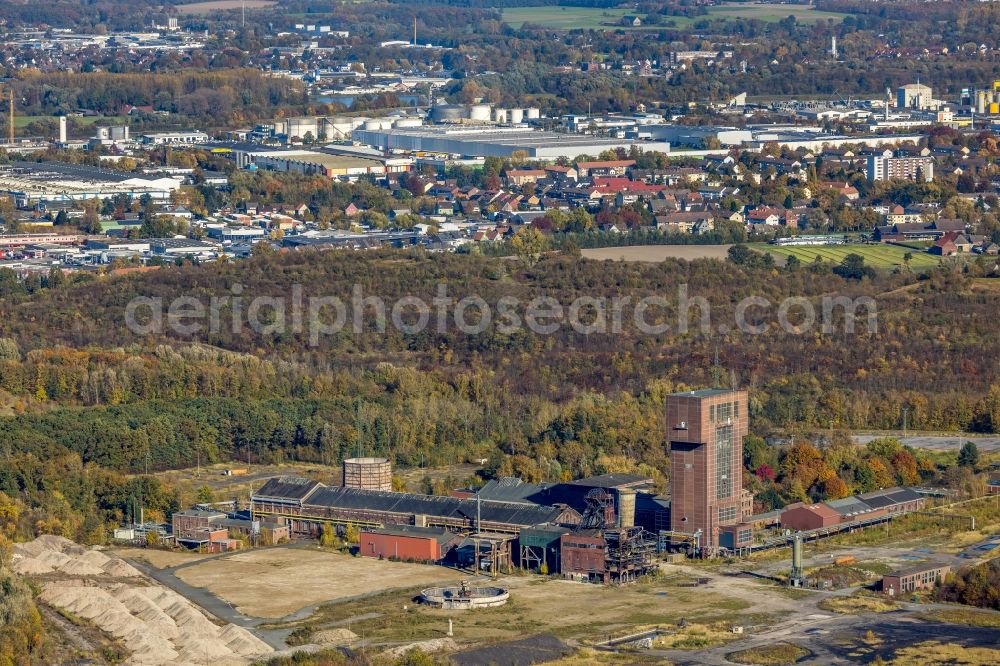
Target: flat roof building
[915,96]
[493,141]
[29,183]
[181,246]
[311,162]
[174,138]
[886,167]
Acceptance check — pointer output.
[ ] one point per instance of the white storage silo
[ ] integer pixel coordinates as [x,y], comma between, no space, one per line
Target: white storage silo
[516,116]
[379,124]
[533,113]
[479,112]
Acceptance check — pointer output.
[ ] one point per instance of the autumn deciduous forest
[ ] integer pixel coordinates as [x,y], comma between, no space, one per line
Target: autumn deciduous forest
[89,403]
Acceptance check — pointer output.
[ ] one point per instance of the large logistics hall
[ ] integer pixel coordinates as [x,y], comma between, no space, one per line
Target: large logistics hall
[31,182]
[495,141]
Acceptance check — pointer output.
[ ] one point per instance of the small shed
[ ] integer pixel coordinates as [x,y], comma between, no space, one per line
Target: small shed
[540,545]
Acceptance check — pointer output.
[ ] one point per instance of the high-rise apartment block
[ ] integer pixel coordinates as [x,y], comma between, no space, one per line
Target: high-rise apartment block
[887,167]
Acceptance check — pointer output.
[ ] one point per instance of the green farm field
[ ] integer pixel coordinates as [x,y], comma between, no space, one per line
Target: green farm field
[570,18]
[565,18]
[772,12]
[877,256]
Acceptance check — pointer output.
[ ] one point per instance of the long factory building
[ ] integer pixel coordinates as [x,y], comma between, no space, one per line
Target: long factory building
[308,505]
[31,182]
[495,141]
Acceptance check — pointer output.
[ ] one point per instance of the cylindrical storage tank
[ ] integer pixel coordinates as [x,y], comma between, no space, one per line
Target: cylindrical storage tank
[516,116]
[981,102]
[338,127]
[409,122]
[533,113]
[500,115]
[448,113]
[379,124]
[626,508]
[368,474]
[480,112]
[301,126]
[797,553]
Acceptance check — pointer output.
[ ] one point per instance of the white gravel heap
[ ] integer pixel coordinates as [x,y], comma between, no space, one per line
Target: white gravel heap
[155,624]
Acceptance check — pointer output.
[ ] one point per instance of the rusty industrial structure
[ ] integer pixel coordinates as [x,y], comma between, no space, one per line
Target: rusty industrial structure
[605,548]
[307,505]
[606,528]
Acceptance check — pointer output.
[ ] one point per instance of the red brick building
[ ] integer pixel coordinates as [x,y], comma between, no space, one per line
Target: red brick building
[809,517]
[706,430]
[915,578]
[408,543]
[191,525]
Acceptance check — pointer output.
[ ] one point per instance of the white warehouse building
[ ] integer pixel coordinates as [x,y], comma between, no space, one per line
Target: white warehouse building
[492,141]
[173,138]
[31,182]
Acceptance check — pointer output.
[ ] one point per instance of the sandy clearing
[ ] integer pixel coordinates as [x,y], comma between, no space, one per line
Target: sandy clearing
[657,253]
[275,582]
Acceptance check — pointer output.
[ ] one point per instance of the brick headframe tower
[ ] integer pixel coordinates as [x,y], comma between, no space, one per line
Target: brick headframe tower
[705,430]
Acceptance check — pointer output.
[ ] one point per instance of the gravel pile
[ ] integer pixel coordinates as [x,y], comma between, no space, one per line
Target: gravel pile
[156,625]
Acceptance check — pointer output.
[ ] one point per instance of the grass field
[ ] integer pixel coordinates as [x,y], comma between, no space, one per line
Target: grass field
[287,579]
[974,617]
[772,12]
[883,257]
[223,5]
[568,610]
[564,18]
[570,18]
